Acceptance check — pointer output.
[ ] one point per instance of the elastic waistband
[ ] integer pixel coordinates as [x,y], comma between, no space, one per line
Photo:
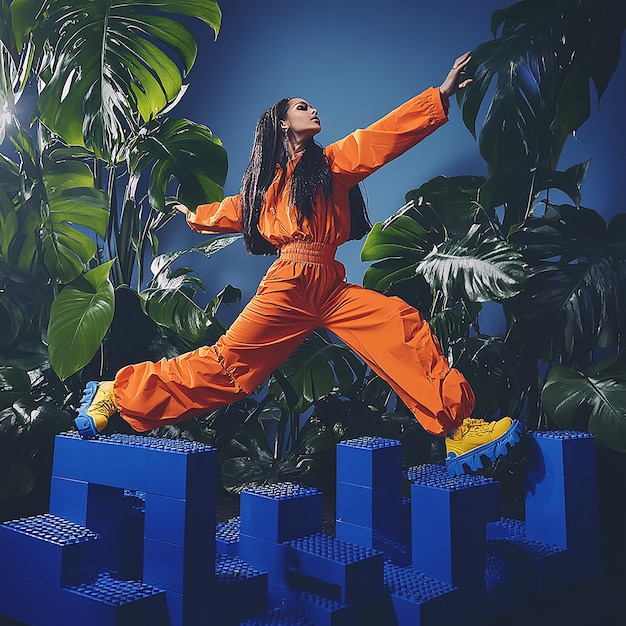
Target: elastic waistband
[308,252]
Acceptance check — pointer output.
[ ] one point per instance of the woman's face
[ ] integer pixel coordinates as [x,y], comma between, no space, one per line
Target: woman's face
[302,119]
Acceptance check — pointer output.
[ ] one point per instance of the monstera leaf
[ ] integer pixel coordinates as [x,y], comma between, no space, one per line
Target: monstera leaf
[179,149]
[169,298]
[570,303]
[540,66]
[593,400]
[106,66]
[475,267]
[79,318]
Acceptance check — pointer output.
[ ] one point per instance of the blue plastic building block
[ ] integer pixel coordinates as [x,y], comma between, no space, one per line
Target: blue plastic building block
[241,591]
[280,512]
[506,527]
[565,529]
[179,521]
[459,504]
[570,492]
[561,452]
[265,555]
[48,549]
[355,570]
[71,456]
[68,499]
[420,600]
[117,462]
[227,537]
[278,617]
[322,611]
[371,462]
[377,509]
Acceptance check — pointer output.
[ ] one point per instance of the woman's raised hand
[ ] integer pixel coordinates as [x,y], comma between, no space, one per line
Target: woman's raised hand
[454,80]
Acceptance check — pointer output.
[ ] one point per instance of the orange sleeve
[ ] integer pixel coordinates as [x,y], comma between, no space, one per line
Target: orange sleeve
[217,217]
[365,150]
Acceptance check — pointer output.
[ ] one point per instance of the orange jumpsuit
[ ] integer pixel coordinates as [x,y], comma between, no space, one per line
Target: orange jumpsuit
[305,289]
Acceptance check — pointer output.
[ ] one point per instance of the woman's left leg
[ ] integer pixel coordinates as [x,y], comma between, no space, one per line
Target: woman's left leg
[397,343]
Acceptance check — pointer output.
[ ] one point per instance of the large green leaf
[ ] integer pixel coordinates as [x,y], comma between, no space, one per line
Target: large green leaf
[541,64]
[45,221]
[184,151]
[571,301]
[476,267]
[592,400]
[79,318]
[109,64]
[454,201]
[169,297]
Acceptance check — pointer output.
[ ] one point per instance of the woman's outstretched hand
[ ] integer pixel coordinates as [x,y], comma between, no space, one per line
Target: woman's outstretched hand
[454,80]
[179,207]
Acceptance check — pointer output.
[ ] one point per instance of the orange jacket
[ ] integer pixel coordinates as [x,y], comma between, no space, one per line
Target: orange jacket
[351,159]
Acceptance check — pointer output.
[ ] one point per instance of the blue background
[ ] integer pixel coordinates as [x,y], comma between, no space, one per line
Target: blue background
[355,61]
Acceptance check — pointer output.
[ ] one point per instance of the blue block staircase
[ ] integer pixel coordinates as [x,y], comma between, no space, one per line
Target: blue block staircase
[131,539]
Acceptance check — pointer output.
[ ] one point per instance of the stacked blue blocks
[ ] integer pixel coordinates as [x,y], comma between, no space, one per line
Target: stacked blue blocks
[121,508]
[369,495]
[131,539]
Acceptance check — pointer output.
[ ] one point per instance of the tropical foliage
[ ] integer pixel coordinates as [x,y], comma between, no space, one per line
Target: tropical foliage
[87,166]
[552,272]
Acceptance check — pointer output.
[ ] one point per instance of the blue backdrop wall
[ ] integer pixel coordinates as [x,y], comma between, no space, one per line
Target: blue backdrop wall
[355,61]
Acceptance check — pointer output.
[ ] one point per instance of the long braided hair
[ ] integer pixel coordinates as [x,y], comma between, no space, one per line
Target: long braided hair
[311,176]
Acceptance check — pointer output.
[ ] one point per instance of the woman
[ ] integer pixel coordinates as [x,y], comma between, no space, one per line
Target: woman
[295,200]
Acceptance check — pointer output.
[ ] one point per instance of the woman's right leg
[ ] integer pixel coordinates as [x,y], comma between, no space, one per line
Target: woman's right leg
[149,395]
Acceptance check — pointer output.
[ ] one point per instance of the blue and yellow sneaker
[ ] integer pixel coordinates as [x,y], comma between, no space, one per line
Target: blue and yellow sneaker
[475,438]
[96,406]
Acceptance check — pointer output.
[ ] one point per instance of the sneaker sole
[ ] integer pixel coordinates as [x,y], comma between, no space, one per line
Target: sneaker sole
[493,450]
[84,422]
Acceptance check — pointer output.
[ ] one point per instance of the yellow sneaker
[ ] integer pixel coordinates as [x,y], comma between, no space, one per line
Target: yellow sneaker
[475,438]
[96,406]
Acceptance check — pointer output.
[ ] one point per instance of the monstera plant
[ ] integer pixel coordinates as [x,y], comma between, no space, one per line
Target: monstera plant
[468,248]
[89,155]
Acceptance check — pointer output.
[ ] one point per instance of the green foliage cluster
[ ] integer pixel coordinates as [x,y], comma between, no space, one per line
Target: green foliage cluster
[554,270]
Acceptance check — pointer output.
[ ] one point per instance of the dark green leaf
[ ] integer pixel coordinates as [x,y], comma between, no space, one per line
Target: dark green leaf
[79,318]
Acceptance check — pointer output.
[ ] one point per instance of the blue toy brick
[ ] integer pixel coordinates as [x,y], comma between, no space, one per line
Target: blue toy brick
[320,610]
[451,557]
[565,529]
[237,580]
[181,469]
[264,555]
[278,617]
[561,452]
[185,569]
[29,601]
[71,456]
[527,571]
[118,461]
[227,537]
[420,600]
[457,503]
[356,571]
[281,511]
[48,549]
[506,527]
[179,521]
[398,551]
[375,508]
[108,601]
[371,462]
[570,492]
[68,499]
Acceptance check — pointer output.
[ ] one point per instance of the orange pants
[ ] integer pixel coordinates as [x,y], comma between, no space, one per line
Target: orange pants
[304,289]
